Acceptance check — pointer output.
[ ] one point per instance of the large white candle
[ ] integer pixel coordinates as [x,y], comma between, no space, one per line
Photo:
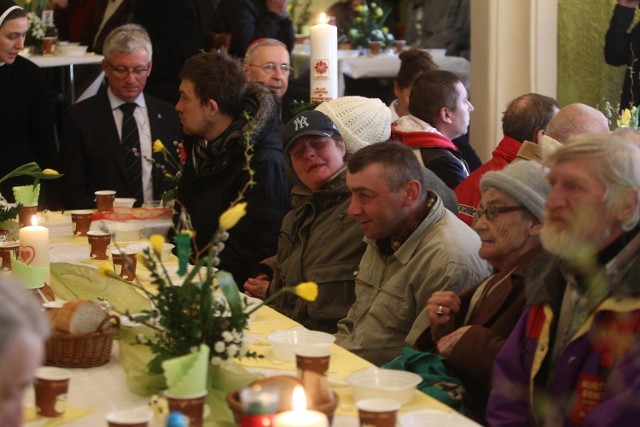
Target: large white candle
[324,61]
[299,416]
[34,246]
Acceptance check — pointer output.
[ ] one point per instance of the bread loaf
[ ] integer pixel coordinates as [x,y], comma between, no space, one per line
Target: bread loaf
[79,316]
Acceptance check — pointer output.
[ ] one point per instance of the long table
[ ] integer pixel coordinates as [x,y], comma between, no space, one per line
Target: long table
[386,65]
[96,391]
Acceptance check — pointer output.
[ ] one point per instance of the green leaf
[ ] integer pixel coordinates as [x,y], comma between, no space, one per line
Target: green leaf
[230,290]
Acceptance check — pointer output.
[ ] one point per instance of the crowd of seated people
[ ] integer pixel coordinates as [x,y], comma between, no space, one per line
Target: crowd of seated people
[525,285]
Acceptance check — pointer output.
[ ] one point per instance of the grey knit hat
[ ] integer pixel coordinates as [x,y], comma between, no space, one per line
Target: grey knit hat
[525,181]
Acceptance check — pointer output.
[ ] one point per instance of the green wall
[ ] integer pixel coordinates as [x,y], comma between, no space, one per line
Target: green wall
[583,76]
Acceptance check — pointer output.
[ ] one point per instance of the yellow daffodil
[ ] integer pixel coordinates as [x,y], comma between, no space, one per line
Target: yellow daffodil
[625,119]
[106,270]
[231,216]
[50,172]
[306,290]
[158,146]
[157,241]
[385,30]
[379,12]
[360,8]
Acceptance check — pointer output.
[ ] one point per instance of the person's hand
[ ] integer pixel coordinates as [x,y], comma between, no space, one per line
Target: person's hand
[442,306]
[629,3]
[279,7]
[441,309]
[256,287]
[448,342]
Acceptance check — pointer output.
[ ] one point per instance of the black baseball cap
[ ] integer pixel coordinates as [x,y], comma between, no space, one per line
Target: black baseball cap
[310,122]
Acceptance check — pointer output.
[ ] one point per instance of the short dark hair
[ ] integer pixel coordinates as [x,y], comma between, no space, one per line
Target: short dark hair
[217,76]
[400,163]
[527,114]
[431,91]
[413,62]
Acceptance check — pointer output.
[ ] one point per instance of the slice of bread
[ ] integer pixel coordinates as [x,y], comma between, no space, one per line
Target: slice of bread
[79,316]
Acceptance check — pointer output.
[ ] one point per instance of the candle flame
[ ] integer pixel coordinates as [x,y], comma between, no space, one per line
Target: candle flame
[34,220]
[299,400]
[323,18]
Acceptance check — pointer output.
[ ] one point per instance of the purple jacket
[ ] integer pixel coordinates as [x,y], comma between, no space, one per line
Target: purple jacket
[595,380]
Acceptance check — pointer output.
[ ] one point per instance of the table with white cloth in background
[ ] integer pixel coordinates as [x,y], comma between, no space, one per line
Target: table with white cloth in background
[354,64]
[69,62]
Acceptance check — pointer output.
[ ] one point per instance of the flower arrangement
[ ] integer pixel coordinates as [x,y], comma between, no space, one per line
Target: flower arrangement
[626,118]
[299,13]
[8,211]
[35,30]
[368,25]
[206,309]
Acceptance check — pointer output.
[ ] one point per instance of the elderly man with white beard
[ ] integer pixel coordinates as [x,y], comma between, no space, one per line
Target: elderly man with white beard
[574,357]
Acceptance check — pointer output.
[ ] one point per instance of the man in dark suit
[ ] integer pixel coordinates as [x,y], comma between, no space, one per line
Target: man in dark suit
[108,138]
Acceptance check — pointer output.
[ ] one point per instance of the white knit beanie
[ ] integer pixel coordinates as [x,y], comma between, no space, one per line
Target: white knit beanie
[361,121]
[525,181]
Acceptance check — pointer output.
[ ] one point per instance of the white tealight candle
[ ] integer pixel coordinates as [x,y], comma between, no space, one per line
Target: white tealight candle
[34,246]
[324,61]
[300,416]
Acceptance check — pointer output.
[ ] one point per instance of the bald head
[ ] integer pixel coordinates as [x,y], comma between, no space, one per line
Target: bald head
[576,119]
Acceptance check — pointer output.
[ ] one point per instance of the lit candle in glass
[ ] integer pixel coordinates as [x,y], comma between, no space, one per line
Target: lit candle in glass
[300,416]
[34,246]
[324,61]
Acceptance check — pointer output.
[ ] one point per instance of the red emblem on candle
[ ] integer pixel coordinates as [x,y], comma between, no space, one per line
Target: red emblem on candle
[27,254]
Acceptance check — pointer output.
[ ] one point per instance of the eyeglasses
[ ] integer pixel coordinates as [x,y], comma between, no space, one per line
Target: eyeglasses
[124,71]
[270,67]
[493,211]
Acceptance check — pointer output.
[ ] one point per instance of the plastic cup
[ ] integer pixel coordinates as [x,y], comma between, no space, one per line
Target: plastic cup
[81,221]
[25,215]
[104,200]
[98,240]
[191,406]
[378,412]
[124,264]
[6,248]
[51,387]
[313,359]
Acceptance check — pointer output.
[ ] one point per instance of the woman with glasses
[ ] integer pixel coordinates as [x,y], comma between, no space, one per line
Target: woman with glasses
[471,328]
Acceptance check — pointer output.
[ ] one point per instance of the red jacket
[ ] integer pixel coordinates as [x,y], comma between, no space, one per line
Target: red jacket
[468,191]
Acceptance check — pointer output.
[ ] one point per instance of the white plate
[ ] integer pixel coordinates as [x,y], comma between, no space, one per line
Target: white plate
[436,418]
[54,304]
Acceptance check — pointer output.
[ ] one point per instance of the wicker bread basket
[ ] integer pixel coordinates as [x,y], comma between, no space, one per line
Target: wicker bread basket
[82,350]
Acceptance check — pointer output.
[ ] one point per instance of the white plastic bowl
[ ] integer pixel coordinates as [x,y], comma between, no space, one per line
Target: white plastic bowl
[71,50]
[379,383]
[285,343]
[437,52]
[125,232]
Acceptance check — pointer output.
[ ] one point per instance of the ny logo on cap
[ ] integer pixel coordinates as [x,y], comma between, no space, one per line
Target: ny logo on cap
[300,122]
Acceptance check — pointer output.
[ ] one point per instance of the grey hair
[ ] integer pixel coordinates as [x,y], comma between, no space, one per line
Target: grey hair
[618,171]
[127,38]
[19,313]
[261,43]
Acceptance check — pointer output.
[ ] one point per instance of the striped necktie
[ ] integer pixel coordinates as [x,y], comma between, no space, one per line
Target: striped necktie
[131,149]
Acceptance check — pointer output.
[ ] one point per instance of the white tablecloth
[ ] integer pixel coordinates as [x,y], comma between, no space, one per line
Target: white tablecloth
[385,65]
